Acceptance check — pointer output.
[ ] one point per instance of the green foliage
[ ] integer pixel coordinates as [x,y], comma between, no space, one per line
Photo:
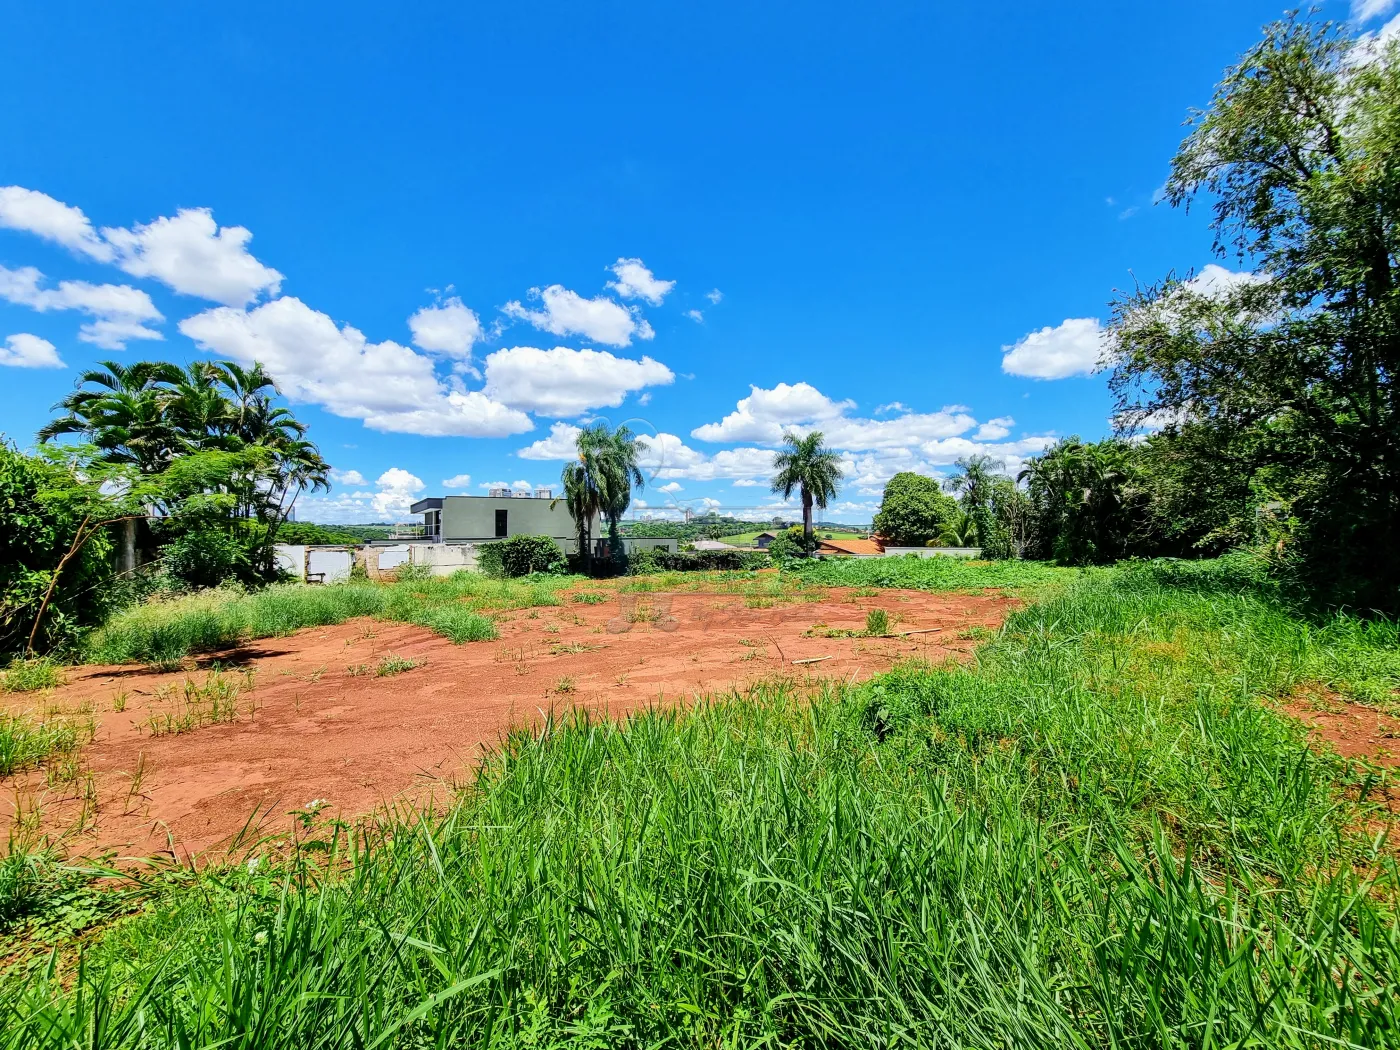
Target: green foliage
[205,558]
[807,466]
[27,741]
[1095,836]
[35,532]
[929,574]
[644,561]
[877,623]
[1278,393]
[520,556]
[710,561]
[913,511]
[153,416]
[162,632]
[305,532]
[26,676]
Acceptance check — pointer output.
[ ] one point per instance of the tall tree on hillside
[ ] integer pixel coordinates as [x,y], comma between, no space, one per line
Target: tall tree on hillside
[808,466]
[1282,383]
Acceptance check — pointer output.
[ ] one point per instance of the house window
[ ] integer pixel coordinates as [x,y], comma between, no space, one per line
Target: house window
[500,523]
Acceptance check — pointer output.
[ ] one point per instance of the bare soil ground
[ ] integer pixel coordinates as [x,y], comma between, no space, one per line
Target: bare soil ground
[1353,731]
[318,724]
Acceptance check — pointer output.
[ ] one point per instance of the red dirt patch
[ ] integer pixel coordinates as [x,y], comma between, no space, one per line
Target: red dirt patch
[1352,730]
[317,732]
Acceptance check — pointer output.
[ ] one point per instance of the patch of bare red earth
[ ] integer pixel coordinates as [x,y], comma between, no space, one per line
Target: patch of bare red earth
[1352,730]
[361,741]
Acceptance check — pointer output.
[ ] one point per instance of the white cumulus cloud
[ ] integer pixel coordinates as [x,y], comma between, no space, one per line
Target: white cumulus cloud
[714,295]
[763,415]
[1071,348]
[348,477]
[388,386]
[121,312]
[23,350]
[670,486]
[193,255]
[561,444]
[188,252]
[565,312]
[41,215]
[564,382]
[457,481]
[1365,10]
[635,281]
[398,490]
[447,327]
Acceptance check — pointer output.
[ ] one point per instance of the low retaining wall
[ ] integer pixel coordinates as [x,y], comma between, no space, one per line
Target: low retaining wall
[333,563]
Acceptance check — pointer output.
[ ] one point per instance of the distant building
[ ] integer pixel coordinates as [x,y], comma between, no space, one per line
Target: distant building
[713,545]
[762,540]
[503,513]
[481,519]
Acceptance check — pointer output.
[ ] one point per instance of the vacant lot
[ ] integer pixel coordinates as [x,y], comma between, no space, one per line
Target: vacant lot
[364,712]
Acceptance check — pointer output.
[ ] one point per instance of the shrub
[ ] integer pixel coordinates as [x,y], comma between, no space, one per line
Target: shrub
[25,676]
[204,558]
[520,556]
[711,561]
[877,623]
[645,560]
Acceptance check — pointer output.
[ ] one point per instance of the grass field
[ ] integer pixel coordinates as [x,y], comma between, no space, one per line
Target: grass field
[1100,834]
[457,607]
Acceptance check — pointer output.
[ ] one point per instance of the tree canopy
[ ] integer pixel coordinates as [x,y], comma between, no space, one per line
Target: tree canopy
[1275,391]
[807,466]
[914,510]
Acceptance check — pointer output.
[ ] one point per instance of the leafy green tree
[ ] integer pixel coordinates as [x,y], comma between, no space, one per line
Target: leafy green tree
[913,510]
[1281,388]
[35,534]
[808,466]
[150,414]
[974,482]
[1091,501]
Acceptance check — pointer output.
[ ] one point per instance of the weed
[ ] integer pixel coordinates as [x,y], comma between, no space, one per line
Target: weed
[26,742]
[392,665]
[877,623]
[749,643]
[572,648]
[357,670]
[565,684]
[119,701]
[589,597]
[194,705]
[27,676]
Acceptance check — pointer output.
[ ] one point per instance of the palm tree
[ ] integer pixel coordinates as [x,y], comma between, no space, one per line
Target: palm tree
[608,470]
[961,531]
[976,477]
[122,410]
[582,502]
[808,465]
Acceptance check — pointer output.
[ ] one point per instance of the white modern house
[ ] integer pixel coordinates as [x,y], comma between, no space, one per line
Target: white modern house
[502,513]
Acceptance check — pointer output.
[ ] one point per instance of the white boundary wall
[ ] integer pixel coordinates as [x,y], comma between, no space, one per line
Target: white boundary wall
[332,564]
[934,552]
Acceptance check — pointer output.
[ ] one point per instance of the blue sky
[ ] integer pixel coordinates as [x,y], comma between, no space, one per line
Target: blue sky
[454,236]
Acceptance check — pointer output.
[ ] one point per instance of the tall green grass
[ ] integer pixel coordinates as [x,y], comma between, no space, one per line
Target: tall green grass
[1098,835]
[162,633]
[933,574]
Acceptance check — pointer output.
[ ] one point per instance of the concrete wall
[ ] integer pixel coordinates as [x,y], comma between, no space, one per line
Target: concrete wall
[935,552]
[315,564]
[473,519]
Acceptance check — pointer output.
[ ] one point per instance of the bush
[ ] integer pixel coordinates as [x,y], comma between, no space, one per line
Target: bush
[520,556]
[710,561]
[645,560]
[205,558]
